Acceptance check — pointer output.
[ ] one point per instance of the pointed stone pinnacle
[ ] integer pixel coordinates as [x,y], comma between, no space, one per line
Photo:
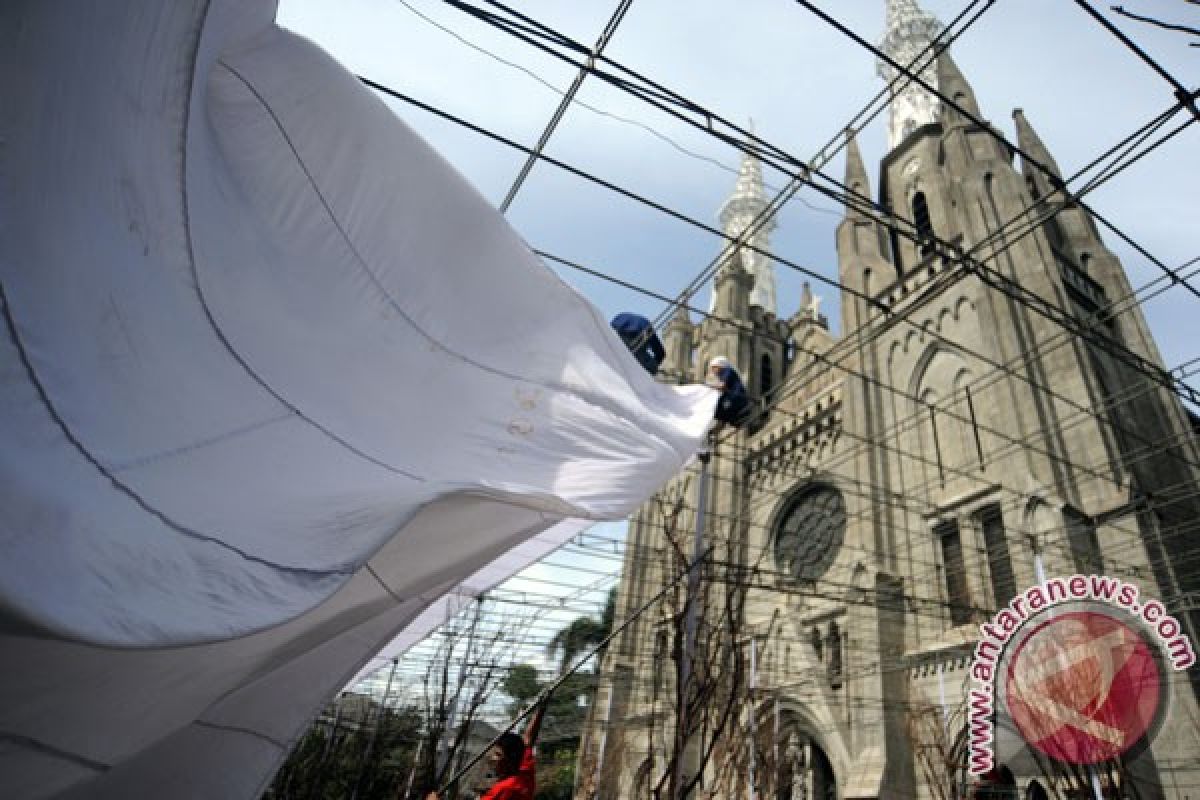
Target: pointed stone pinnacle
[952,84]
[856,171]
[1031,143]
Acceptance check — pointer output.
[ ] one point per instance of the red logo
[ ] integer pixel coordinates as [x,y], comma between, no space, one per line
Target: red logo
[1084,687]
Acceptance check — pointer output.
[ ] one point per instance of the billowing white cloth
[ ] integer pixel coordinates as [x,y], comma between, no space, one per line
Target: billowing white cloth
[273,379]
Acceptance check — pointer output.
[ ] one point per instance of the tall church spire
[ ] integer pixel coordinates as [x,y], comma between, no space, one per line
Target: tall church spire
[741,211]
[908,31]
[856,176]
[859,236]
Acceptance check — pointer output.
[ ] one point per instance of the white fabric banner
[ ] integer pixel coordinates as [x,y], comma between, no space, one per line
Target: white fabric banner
[274,379]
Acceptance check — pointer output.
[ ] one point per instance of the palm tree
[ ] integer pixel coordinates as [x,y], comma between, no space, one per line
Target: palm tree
[582,634]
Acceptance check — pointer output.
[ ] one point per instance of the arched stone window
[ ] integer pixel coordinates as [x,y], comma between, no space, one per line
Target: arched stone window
[923,222]
[1054,233]
[995,543]
[766,377]
[1031,185]
[940,381]
[834,665]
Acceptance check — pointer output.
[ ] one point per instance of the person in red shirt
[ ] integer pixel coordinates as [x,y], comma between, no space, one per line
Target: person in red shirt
[511,758]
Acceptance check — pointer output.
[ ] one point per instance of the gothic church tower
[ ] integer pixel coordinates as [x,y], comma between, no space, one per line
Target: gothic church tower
[995,413]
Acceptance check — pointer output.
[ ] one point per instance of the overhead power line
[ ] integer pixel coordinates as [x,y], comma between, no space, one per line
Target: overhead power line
[1122,157]
[565,103]
[547,39]
[1185,96]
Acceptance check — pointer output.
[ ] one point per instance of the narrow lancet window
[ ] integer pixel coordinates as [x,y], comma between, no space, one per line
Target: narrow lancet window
[923,223]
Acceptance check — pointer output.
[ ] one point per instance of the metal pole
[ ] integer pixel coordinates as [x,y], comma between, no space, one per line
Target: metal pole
[374,731]
[689,625]
[412,773]
[753,714]
[942,700]
[612,691]
[937,446]
[775,744]
[1039,571]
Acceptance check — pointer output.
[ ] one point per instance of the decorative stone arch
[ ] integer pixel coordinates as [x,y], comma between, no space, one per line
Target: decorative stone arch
[1035,790]
[921,368]
[938,379]
[1042,522]
[822,730]
[961,307]
[862,581]
[961,379]
[944,316]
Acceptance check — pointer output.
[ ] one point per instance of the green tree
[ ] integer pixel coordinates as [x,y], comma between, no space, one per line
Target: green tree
[582,634]
[522,685]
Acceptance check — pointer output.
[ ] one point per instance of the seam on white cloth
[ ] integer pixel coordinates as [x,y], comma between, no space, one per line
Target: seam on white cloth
[587,397]
[152,458]
[220,333]
[220,726]
[29,743]
[178,527]
[391,592]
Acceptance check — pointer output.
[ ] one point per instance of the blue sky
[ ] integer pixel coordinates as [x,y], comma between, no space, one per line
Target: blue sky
[800,81]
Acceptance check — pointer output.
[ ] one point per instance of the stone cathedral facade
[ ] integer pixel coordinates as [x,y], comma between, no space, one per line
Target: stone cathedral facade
[956,444]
